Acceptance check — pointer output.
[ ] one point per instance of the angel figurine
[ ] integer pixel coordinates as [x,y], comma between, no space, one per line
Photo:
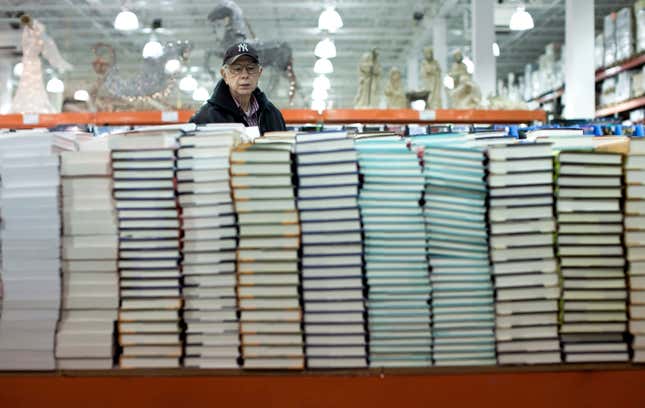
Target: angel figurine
[31,95]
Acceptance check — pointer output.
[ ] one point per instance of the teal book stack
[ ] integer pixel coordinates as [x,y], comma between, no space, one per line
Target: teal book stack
[455,219]
[396,267]
[520,183]
[332,251]
[268,256]
[635,243]
[209,242]
[590,222]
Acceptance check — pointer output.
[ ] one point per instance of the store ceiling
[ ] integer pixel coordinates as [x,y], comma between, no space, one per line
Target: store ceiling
[387,25]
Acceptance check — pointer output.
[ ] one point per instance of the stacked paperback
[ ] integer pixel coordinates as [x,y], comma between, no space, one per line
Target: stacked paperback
[635,243]
[396,266]
[462,292]
[332,250]
[90,279]
[31,221]
[267,256]
[520,183]
[150,279]
[208,246]
[590,223]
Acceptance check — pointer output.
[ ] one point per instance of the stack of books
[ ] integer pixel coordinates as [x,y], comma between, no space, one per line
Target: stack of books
[462,292]
[209,243]
[90,279]
[524,266]
[267,256]
[150,279]
[590,222]
[396,266]
[635,243]
[31,245]
[332,250]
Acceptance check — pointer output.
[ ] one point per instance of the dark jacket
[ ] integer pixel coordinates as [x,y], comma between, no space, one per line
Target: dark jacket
[221,108]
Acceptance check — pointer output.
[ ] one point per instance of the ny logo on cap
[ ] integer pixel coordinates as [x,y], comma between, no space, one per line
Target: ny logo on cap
[243,47]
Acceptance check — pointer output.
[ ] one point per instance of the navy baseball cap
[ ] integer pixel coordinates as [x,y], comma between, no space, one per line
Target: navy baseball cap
[235,51]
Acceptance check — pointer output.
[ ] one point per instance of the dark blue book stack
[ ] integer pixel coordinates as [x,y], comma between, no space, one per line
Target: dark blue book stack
[395,255]
[332,250]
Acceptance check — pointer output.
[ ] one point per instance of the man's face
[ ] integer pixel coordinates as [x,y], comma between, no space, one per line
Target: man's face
[242,76]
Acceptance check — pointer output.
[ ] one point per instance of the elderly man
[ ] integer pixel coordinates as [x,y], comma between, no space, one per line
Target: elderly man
[237,98]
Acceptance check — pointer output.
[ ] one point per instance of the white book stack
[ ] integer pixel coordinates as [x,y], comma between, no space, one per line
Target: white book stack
[635,242]
[524,266]
[396,265]
[31,245]
[462,291]
[90,287]
[150,279]
[267,256]
[590,231]
[332,251]
[209,243]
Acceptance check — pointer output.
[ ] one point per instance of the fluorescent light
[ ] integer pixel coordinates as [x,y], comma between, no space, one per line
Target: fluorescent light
[17,69]
[418,105]
[126,21]
[321,82]
[82,95]
[188,84]
[323,66]
[55,85]
[496,49]
[319,93]
[318,105]
[448,82]
[330,20]
[200,94]
[152,49]
[172,66]
[325,49]
[521,20]
[470,65]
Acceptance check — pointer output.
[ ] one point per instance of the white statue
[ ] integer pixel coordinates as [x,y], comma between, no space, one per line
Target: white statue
[31,95]
[500,99]
[432,81]
[369,72]
[514,96]
[465,93]
[394,93]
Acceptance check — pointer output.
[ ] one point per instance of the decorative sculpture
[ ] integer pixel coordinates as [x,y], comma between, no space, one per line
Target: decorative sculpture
[31,96]
[465,93]
[145,87]
[432,81]
[231,27]
[394,93]
[369,72]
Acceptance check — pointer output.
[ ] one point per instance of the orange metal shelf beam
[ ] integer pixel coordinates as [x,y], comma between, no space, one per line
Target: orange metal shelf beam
[621,107]
[294,116]
[528,389]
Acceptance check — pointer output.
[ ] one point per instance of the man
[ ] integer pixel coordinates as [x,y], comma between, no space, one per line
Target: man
[237,98]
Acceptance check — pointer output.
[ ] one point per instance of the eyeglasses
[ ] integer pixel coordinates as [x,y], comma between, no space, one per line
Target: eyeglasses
[251,69]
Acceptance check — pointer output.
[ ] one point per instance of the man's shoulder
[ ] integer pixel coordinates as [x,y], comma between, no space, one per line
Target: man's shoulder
[208,113]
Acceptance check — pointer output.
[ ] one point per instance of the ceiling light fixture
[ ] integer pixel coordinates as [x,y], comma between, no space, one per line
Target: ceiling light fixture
[330,20]
[320,94]
[172,66]
[126,21]
[325,49]
[521,20]
[496,49]
[82,95]
[470,65]
[188,84]
[55,85]
[321,82]
[17,69]
[323,66]
[448,82]
[200,94]
[152,49]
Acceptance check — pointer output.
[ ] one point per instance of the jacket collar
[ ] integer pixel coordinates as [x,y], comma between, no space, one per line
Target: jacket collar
[222,98]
